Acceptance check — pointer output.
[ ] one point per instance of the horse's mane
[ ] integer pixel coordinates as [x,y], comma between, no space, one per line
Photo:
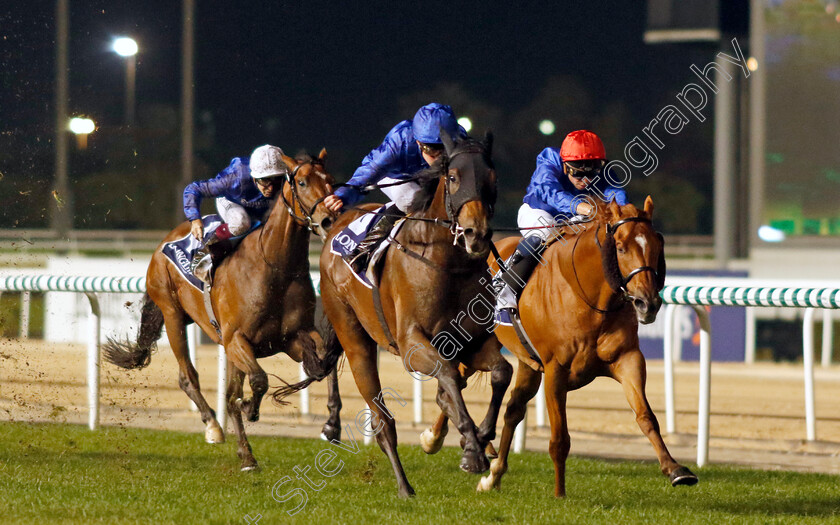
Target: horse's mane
[429,178]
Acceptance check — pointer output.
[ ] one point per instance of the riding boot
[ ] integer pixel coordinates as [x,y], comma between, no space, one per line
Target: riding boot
[359,257]
[519,266]
[205,257]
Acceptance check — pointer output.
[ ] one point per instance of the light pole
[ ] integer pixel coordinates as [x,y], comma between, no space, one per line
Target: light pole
[127,48]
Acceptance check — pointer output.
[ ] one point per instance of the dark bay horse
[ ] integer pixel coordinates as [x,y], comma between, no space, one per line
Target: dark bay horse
[431,286]
[582,309]
[262,297]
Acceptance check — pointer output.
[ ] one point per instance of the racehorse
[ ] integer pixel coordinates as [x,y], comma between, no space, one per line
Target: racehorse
[430,289]
[581,310]
[263,300]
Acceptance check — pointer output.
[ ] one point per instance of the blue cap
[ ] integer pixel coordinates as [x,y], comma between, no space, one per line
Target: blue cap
[430,119]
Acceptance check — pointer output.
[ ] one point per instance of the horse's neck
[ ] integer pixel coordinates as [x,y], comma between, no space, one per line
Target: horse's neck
[283,237]
[429,233]
[578,262]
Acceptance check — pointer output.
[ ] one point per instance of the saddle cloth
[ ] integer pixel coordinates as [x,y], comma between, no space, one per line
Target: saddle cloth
[180,252]
[345,242]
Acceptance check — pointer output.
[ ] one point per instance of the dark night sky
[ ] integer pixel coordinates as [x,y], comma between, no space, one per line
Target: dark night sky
[331,73]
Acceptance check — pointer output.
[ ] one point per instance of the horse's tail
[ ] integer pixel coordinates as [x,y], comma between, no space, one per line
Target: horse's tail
[128,355]
[316,368]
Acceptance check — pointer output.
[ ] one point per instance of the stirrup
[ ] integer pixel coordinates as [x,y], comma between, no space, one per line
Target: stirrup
[202,269]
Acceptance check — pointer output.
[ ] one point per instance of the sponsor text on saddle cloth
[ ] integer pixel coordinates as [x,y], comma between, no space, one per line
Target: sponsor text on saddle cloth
[355,232]
[180,252]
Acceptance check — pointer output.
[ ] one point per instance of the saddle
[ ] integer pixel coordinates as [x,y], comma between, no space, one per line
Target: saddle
[348,240]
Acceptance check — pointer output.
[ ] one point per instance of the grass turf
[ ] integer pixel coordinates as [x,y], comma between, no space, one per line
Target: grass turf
[66,474]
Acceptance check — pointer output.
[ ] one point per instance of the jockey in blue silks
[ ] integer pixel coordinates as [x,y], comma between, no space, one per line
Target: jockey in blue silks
[411,146]
[562,188]
[243,193]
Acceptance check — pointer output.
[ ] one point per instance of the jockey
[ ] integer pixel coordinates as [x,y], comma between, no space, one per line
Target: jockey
[561,190]
[411,146]
[242,190]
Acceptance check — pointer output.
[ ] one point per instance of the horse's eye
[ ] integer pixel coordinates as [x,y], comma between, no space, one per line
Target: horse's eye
[302,183]
[619,248]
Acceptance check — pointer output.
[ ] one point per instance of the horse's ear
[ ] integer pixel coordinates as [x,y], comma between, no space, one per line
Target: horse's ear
[290,162]
[488,142]
[614,209]
[448,143]
[649,207]
[323,154]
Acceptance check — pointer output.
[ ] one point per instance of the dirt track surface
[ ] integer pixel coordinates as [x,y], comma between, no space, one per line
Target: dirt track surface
[758,411]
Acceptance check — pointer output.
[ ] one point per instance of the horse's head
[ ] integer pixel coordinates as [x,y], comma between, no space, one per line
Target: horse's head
[308,185]
[633,256]
[470,191]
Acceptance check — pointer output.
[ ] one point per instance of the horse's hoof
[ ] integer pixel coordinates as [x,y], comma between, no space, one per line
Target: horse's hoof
[488,483]
[429,443]
[214,434]
[682,476]
[408,493]
[250,468]
[490,451]
[330,433]
[475,464]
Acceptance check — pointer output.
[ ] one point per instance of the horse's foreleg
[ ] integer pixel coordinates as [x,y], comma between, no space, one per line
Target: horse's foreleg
[234,398]
[527,385]
[241,354]
[332,428]
[188,377]
[556,388]
[629,370]
[489,358]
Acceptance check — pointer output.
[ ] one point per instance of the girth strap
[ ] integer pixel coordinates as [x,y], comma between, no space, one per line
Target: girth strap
[208,306]
[380,314]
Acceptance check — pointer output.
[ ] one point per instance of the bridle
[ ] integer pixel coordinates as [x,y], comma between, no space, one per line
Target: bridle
[452,208]
[609,259]
[611,229]
[306,218]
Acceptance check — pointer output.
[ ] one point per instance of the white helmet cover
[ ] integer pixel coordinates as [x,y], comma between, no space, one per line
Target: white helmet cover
[267,161]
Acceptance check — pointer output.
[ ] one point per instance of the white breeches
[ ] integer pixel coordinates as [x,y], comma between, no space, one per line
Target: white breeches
[529,217]
[234,215]
[402,194]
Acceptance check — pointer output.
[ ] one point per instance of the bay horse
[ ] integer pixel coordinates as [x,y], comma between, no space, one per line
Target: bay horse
[263,300]
[431,285]
[581,309]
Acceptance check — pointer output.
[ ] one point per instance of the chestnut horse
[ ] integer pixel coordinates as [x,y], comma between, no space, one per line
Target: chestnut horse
[582,315]
[430,287]
[263,300]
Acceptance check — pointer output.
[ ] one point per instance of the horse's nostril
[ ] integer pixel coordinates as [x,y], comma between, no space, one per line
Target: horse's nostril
[640,305]
[469,232]
[326,223]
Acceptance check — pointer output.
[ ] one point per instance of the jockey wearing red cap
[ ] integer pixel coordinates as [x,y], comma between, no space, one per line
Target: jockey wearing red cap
[561,188]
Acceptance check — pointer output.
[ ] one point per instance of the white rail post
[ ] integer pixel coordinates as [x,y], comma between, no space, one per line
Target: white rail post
[368,428]
[749,336]
[193,334]
[808,366]
[221,397]
[705,385]
[519,434]
[668,363]
[93,362]
[827,339]
[418,401]
[304,394]
[25,302]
